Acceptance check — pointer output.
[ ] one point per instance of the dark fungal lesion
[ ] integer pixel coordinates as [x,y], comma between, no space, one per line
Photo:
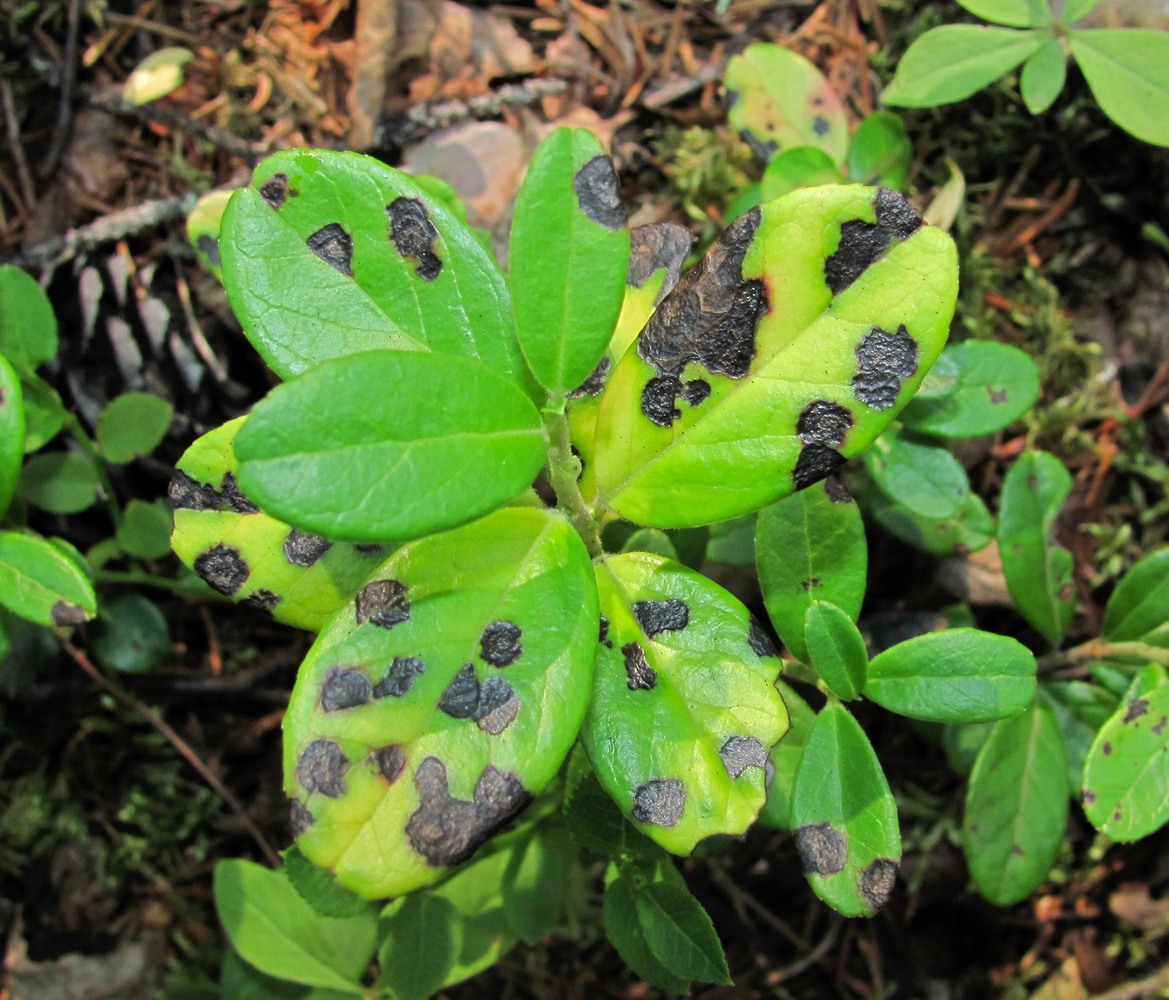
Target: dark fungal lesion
[262,600]
[823,850]
[639,675]
[275,191]
[816,462]
[822,427]
[321,768]
[223,568]
[599,194]
[400,678]
[187,493]
[390,761]
[383,603]
[764,149]
[741,752]
[877,881]
[662,246]
[445,830]
[334,246]
[884,361]
[500,643]
[300,817]
[863,243]
[209,246]
[759,641]
[656,617]
[593,385]
[461,697]
[345,687]
[492,704]
[414,235]
[659,802]
[302,549]
[65,613]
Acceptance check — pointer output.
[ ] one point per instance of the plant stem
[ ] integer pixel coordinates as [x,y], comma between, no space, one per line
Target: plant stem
[564,470]
[1101,649]
[103,472]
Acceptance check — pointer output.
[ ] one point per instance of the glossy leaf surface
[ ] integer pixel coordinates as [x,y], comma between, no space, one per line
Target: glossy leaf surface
[12,425]
[1139,606]
[959,675]
[836,649]
[299,578]
[810,547]
[327,254]
[1128,71]
[880,153]
[1038,572]
[28,328]
[453,440]
[788,349]
[684,708]
[1016,806]
[43,582]
[1126,772]
[438,702]
[778,100]
[568,257]
[922,476]
[844,817]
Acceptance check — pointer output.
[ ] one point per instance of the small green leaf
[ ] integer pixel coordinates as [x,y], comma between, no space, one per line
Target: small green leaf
[798,167]
[920,475]
[785,759]
[992,385]
[963,742]
[651,540]
[836,649]
[777,100]
[680,933]
[960,675]
[241,981]
[275,930]
[1080,709]
[133,424]
[12,425]
[624,929]
[845,817]
[28,328]
[968,529]
[1128,71]
[144,530]
[131,634]
[594,819]
[44,412]
[1037,571]
[159,74]
[880,153]
[1074,10]
[320,889]
[1012,13]
[950,63]
[533,883]
[1016,806]
[203,225]
[453,440]
[732,543]
[1126,771]
[61,482]
[41,582]
[1043,76]
[1139,606]
[568,255]
[810,547]
[421,941]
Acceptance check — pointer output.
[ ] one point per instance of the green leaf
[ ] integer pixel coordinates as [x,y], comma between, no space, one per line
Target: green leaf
[43,412]
[131,634]
[203,226]
[1016,806]
[920,475]
[732,543]
[1073,10]
[776,100]
[1037,571]
[680,655]
[1139,606]
[680,934]
[1126,771]
[568,255]
[144,530]
[960,675]
[594,819]
[320,889]
[810,547]
[844,816]
[1012,13]
[798,167]
[159,74]
[968,529]
[441,700]
[1128,71]
[880,153]
[785,759]
[1043,76]
[61,482]
[533,884]
[962,744]
[421,942]
[950,63]
[241,981]
[624,929]
[651,540]
[333,253]
[836,649]
[28,328]
[275,930]
[12,424]
[132,424]
[42,583]
[299,578]
[453,440]
[986,387]
[712,414]
[1080,709]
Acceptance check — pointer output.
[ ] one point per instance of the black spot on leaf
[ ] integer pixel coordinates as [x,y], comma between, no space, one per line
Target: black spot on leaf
[823,422]
[603,634]
[876,882]
[400,678]
[384,603]
[815,463]
[1136,708]
[885,360]
[321,768]
[836,491]
[276,190]
[63,614]
[760,641]
[593,385]
[862,243]
[661,616]
[389,761]
[413,236]
[370,548]
[262,600]
[345,688]
[997,396]
[446,830]
[1089,796]
[663,246]
[741,752]
[1158,727]
[500,643]
[334,246]
[460,700]
[823,851]
[659,802]
[598,194]
[640,676]
[820,125]
[187,493]
[498,706]
[764,150]
[299,817]
[223,568]
[657,399]
[209,246]
[303,549]
[696,391]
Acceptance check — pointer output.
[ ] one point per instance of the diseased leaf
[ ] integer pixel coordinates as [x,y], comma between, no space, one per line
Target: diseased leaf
[568,255]
[1043,76]
[159,74]
[684,708]
[42,582]
[785,759]
[203,225]
[1128,71]
[28,327]
[836,649]
[959,675]
[714,413]
[441,700]
[317,454]
[844,817]
[880,153]
[1016,806]
[594,819]
[1139,606]
[1126,772]
[12,424]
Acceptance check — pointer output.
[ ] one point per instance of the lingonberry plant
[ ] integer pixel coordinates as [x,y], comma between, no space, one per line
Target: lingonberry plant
[488,497]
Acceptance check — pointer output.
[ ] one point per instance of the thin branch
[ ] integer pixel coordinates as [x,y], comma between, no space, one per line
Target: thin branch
[68,82]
